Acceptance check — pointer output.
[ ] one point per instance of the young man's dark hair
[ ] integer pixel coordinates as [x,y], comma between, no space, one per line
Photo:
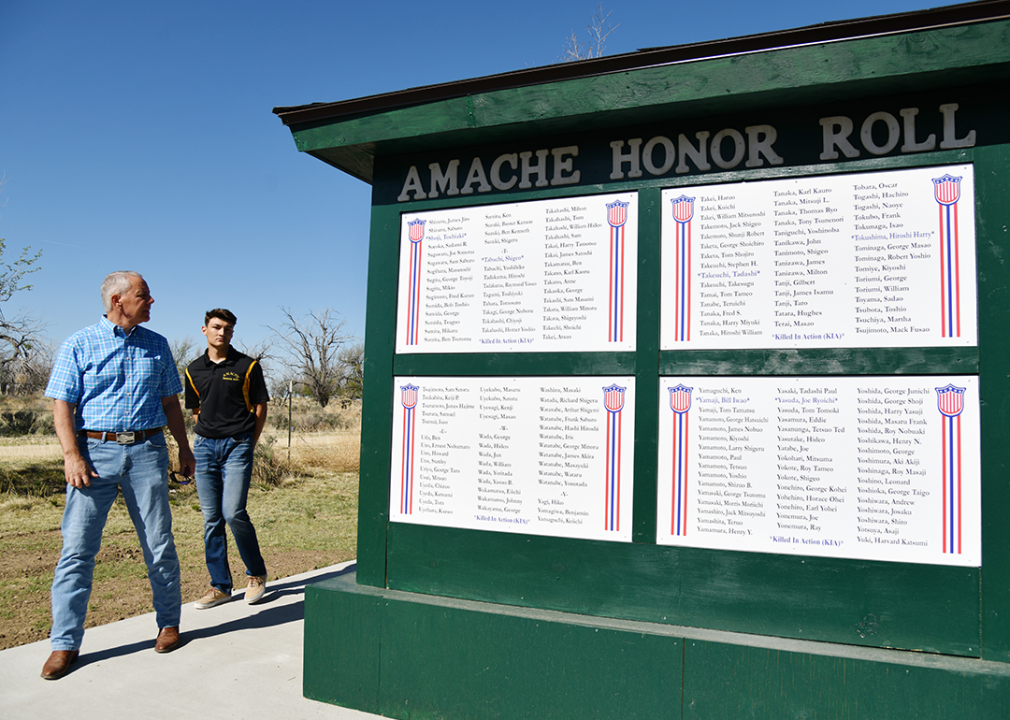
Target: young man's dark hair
[221,314]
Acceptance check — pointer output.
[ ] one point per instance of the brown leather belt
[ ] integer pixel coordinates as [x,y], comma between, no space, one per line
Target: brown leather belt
[123,438]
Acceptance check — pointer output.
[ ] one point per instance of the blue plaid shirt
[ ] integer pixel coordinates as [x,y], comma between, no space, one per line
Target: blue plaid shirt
[115,379]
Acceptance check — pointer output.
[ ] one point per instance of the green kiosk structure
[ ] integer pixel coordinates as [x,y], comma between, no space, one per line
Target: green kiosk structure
[687,390]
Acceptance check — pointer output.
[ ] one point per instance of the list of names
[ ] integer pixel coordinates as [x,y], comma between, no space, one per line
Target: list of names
[547,275]
[881,468]
[536,455]
[884,259]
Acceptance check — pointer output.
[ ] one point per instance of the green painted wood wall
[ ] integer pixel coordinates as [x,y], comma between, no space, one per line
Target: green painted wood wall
[419,657]
[952,611]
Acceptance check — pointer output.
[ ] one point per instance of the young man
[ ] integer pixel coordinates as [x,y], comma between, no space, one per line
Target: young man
[228,397]
[114,387]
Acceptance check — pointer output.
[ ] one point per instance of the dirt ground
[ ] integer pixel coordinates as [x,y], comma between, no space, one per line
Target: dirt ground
[27,619]
[304,524]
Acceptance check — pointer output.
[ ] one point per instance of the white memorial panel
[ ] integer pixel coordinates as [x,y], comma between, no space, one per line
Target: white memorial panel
[536,455]
[875,468]
[546,275]
[883,259]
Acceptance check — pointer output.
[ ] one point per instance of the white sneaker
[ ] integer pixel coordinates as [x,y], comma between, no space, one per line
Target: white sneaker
[213,598]
[255,589]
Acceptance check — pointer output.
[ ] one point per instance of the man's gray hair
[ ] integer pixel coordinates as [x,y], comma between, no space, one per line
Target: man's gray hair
[117,283]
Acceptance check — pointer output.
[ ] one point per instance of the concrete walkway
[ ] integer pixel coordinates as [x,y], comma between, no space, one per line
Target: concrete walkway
[236,660]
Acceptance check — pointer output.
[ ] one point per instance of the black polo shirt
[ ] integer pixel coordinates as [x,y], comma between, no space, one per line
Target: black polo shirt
[226,393]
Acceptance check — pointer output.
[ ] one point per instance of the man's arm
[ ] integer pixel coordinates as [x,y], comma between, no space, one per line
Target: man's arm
[260,409]
[75,467]
[177,426]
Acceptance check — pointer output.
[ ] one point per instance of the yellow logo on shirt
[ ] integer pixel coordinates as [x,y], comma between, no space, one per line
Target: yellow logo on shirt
[231,376]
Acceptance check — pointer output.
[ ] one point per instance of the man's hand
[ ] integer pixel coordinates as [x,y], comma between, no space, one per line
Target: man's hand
[260,409]
[177,426]
[75,467]
[77,471]
[187,463]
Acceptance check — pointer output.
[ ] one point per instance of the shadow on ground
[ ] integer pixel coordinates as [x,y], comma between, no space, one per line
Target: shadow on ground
[267,617]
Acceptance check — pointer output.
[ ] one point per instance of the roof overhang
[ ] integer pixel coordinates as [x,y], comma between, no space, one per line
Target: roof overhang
[349,133]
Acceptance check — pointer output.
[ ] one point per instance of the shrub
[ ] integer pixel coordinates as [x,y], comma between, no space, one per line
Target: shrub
[307,416]
[33,479]
[26,415]
[26,422]
[269,470]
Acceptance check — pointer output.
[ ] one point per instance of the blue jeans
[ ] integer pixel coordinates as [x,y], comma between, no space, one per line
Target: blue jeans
[223,472]
[141,471]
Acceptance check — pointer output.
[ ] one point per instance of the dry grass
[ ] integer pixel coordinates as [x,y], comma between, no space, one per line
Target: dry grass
[25,417]
[29,440]
[307,417]
[304,509]
[341,450]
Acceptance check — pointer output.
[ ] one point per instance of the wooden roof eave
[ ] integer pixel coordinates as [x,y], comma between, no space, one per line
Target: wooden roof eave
[679,81]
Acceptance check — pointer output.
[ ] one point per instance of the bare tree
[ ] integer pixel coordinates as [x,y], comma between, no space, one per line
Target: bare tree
[353,360]
[28,373]
[20,332]
[184,352]
[263,352]
[599,30]
[281,384]
[313,345]
[20,340]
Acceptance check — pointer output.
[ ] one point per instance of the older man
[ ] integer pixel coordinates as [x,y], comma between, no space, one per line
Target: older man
[115,386]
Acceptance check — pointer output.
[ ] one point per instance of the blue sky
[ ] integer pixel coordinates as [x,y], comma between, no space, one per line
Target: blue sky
[139,135]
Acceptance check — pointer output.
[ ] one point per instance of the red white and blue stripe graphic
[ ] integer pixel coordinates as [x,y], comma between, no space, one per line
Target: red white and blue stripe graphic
[947,190]
[680,404]
[950,403]
[408,398]
[613,399]
[416,228]
[683,213]
[617,216]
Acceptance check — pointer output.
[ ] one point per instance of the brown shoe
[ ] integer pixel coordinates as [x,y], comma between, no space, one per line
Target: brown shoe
[58,664]
[256,587]
[213,598]
[168,640]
